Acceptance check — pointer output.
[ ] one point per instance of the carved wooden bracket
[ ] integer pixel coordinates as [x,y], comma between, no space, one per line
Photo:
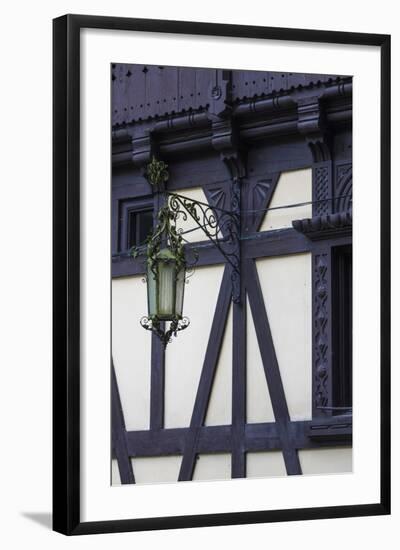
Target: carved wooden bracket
[143,149]
[225,140]
[311,123]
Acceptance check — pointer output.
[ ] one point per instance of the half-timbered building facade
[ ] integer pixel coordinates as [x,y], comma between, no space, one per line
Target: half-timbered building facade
[257,387]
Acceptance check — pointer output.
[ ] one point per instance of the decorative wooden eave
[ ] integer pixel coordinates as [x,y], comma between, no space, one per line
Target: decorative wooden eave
[253,119]
[144,92]
[325,227]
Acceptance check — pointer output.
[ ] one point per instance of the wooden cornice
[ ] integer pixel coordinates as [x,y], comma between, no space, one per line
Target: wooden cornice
[256,119]
[325,227]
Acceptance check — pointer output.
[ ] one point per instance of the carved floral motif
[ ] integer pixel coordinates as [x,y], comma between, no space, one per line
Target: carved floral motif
[344,187]
[321,341]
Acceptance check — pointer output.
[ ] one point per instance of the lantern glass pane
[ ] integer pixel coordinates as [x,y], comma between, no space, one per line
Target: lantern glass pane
[180,287]
[151,293]
[166,290]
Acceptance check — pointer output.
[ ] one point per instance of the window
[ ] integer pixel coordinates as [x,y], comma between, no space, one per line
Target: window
[342,328]
[134,218]
[140,224]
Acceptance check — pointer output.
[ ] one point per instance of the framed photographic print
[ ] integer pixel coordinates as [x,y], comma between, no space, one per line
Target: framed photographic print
[221,287]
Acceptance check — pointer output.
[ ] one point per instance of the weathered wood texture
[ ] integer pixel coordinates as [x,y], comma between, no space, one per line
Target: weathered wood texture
[143,91]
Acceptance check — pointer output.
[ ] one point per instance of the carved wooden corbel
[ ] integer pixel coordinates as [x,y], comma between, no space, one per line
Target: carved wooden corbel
[225,140]
[143,150]
[225,135]
[312,124]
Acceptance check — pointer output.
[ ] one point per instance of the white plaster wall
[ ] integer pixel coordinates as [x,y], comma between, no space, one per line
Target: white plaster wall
[212,466]
[265,464]
[184,357]
[293,187]
[326,461]
[220,405]
[115,477]
[156,469]
[258,400]
[286,287]
[197,194]
[131,350]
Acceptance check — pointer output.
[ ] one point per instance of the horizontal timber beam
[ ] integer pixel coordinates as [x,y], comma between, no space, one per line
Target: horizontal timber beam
[258,437]
[263,244]
[275,243]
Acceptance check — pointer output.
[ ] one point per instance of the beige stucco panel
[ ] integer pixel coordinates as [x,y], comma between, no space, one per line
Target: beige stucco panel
[115,477]
[212,466]
[156,469]
[131,349]
[286,287]
[219,409]
[258,400]
[185,355]
[265,464]
[293,187]
[326,461]
[197,194]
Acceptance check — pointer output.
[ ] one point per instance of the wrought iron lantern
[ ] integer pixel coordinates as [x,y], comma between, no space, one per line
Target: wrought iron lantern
[166,264]
[165,287]
[166,274]
[165,277]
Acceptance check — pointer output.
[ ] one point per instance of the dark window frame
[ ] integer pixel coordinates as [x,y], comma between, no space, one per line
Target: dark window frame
[127,208]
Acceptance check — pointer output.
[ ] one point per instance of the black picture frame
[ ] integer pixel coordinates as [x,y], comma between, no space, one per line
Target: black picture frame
[66,273]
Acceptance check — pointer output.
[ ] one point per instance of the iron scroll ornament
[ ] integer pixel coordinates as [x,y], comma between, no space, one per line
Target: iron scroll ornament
[165,336]
[221,227]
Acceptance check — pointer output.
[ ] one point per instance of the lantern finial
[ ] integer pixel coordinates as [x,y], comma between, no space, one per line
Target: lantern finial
[157,172]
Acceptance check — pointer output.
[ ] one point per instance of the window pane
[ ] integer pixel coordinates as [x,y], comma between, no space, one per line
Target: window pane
[131,229]
[144,225]
[140,224]
[342,327]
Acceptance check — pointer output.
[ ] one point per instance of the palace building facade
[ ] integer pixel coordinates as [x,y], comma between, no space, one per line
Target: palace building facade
[260,386]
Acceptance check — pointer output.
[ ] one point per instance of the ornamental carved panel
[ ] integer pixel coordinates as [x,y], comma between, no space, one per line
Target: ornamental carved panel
[321,330]
[322,188]
[344,187]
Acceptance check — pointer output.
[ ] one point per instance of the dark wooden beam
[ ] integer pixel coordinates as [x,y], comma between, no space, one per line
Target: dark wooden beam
[257,245]
[157,383]
[262,436]
[239,387]
[276,243]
